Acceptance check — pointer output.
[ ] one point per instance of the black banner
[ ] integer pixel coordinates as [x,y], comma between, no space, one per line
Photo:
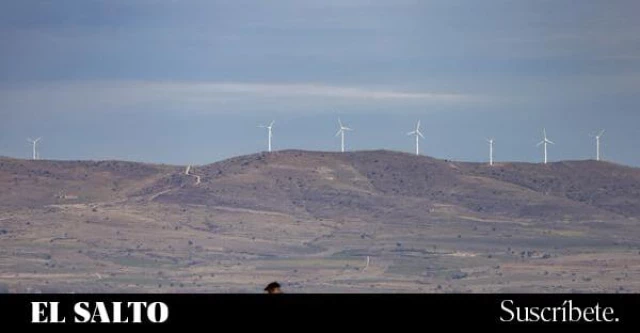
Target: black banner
[131,311]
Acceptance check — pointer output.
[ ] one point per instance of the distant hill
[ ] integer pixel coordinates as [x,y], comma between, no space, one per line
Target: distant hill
[311,218]
[34,183]
[372,181]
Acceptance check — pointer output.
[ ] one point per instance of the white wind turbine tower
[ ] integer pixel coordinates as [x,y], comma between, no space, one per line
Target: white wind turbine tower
[269,128]
[418,135]
[545,141]
[491,141]
[34,143]
[598,136]
[341,133]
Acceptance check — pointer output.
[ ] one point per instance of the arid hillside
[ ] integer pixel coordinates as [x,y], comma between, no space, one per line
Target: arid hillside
[371,221]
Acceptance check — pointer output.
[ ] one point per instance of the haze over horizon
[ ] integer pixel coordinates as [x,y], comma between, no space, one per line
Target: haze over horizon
[189,82]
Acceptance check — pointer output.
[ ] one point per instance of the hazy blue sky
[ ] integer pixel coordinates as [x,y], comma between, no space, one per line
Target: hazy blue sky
[189,81]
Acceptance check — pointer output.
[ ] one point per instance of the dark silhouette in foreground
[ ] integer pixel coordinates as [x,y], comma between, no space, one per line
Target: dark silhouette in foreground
[273,288]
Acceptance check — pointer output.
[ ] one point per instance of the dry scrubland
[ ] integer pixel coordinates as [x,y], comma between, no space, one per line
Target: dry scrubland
[310,219]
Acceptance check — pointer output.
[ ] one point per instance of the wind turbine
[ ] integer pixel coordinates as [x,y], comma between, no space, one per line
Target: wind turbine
[418,135]
[341,133]
[490,151]
[34,143]
[270,132]
[598,136]
[545,141]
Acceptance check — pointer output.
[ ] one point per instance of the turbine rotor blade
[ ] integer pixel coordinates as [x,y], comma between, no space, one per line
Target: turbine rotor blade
[539,143]
[420,134]
[339,131]
[411,133]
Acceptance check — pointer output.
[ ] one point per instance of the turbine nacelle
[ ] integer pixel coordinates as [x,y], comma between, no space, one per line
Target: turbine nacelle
[599,135]
[417,131]
[545,140]
[267,127]
[342,128]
